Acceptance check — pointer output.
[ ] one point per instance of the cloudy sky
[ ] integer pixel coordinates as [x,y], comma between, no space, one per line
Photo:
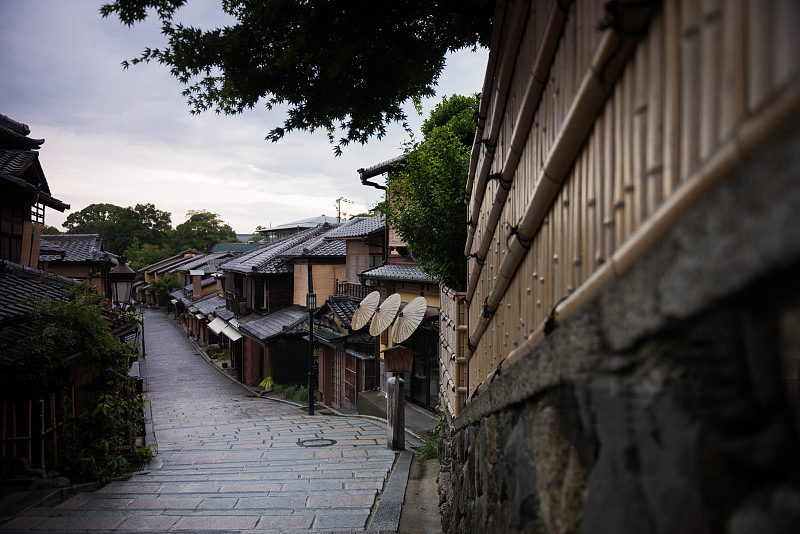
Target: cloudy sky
[127,137]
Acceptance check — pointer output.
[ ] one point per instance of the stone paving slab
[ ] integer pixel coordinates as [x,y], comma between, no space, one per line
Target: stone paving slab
[229,462]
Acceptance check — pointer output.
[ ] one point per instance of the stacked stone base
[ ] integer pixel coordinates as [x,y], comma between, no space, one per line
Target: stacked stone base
[670,404]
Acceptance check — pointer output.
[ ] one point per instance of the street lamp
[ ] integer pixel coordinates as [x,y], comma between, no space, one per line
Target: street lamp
[121,278]
[311,305]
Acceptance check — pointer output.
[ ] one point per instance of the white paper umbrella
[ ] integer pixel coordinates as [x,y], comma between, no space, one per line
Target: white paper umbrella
[365,310]
[408,319]
[384,314]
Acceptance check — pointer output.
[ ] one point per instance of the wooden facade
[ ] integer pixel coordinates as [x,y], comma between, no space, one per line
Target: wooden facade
[343,375]
[592,143]
[324,277]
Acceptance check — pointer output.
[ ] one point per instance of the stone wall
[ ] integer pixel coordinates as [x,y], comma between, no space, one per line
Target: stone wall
[670,404]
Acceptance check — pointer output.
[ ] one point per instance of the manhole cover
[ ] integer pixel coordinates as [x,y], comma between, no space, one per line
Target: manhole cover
[316,442]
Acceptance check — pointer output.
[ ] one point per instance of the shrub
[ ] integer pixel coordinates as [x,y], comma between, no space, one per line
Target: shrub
[288,393]
[302,394]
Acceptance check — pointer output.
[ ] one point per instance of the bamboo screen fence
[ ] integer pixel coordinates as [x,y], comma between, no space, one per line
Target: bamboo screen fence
[452,347]
[593,141]
[31,426]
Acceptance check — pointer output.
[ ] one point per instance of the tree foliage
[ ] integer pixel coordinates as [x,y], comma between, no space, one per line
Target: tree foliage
[96,446]
[345,66]
[118,226]
[166,285]
[50,230]
[202,230]
[426,200]
[142,255]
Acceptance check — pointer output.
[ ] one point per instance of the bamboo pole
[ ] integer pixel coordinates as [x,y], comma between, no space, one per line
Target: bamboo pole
[476,186]
[732,87]
[606,65]
[521,131]
[619,155]
[628,155]
[655,120]
[690,80]
[609,174]
[672,97]
[759,56]
[709,79]
[483,106]
[641,116]
[5,426]
[754,134]
[786,42]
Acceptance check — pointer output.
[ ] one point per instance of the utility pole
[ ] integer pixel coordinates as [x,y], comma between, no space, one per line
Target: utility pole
[339,207]
[311,304]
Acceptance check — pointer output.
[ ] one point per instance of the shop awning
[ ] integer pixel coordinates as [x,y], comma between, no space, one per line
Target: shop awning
[216,325]
[232,333]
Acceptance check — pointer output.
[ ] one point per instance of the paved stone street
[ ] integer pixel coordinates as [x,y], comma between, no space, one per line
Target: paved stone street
[231,462]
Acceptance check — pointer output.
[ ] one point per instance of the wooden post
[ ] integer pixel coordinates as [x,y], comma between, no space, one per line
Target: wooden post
[54,423]
[44,433]
[395,414]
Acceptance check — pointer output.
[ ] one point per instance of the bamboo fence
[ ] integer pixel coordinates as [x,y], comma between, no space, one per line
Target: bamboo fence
[452,342]
[591,144]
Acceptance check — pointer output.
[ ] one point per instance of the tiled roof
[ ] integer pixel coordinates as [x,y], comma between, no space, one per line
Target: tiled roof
[271,258]
[382,167]
[21,169]
[171,259]
[76,248]
[181,296]
[224,313]
[404,273]
[343,308]
[319,246]
[209,262]
[14,134]
[210,304]
[21,286]
[16,161]
[234,247]
[303,223]
[173,265]
[273,324]
[358,227]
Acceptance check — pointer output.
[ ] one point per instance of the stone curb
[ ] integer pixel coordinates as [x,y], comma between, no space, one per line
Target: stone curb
[387,514]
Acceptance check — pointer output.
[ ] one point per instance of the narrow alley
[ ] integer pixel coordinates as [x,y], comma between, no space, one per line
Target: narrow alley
[231,462]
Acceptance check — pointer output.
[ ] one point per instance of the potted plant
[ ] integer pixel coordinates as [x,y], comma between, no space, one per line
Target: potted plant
[266,384]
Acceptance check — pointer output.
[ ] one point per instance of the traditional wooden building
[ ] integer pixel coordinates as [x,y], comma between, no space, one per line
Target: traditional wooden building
[78,256]
[156,271]
[24,194]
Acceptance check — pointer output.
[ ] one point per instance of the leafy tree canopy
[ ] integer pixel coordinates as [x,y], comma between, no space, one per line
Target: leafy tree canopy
[426,201]
[345,66]
[50,230]
[202,231]
[142,255]
[163,287]
[118,226]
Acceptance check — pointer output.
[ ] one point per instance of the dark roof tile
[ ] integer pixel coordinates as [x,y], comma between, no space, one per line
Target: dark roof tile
[77,248]
[267,326]
[405,273]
